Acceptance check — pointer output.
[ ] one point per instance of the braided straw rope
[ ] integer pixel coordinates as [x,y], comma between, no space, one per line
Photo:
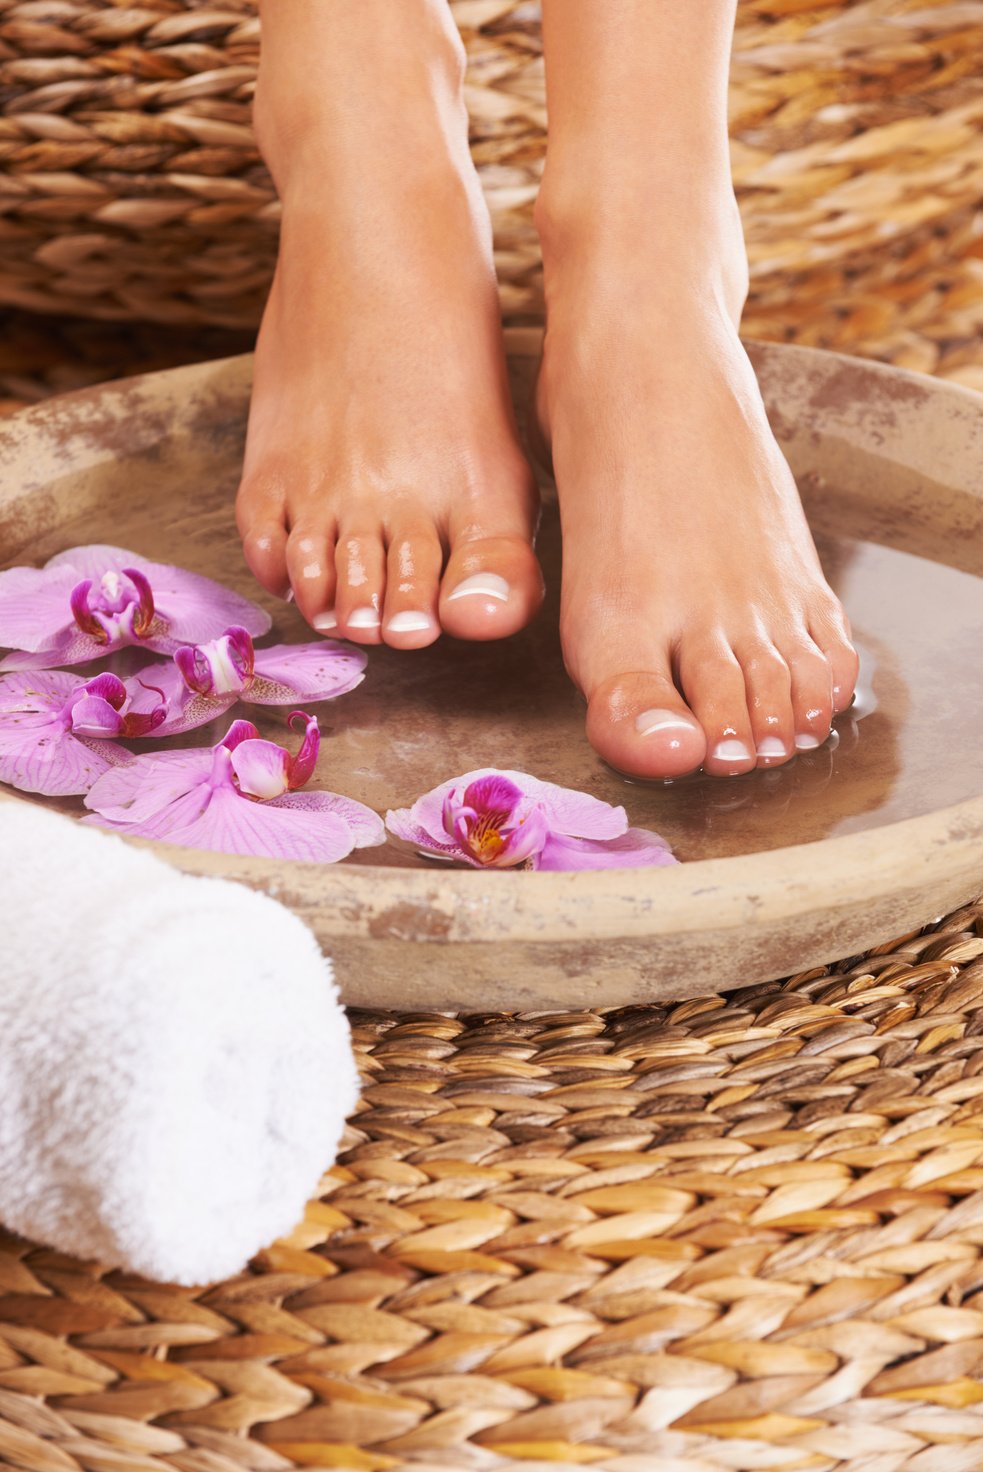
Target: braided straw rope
[738,1233]
[130,186]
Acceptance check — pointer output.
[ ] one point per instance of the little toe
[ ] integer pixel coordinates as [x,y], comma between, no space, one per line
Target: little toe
[264,546]
[714,684]
[640,724]
[768,692]
[832,637]
[360,562]
[812,695]
[412,587]
[491,588]
[311,566]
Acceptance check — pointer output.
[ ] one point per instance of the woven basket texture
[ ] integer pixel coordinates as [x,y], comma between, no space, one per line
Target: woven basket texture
[130,185]
[739,1233]
[742,1233]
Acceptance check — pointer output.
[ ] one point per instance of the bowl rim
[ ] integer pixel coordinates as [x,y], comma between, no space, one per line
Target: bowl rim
[743,889]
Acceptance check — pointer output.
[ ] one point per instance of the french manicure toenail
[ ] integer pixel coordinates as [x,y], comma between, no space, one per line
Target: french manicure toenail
[770,748]
[409,622]
[288,596]
[482,585]
[730,751]
[807,742]
[363,618]
[651,721]
[325,621]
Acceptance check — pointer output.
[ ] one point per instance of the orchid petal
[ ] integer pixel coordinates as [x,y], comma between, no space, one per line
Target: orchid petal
[138,792]
[237,732]
[300,768]
[184,709]
[287,673]
[34,606]
[93,716]
[71,647]
[493,793]
[401,825]
[364,824]
[229,823]
[262,767]
[637,848]
[38,752]
[525,840]
[107,687]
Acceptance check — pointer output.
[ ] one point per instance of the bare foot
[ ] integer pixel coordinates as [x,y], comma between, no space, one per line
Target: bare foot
[383,481]
[695,615]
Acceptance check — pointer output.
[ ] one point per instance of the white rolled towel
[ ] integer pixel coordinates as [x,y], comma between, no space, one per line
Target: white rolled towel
[175,1065]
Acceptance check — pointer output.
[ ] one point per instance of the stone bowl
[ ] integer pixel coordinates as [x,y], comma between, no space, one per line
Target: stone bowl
[874,835]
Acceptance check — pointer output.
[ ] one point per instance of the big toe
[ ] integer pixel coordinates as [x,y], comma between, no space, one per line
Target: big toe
[640,724]
[491,588]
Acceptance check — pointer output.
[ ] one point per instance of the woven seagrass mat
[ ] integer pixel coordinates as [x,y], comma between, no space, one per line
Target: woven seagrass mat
[738,1233]
[741,1233]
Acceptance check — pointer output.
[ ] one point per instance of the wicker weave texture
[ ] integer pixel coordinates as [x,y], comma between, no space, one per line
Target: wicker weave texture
[740,1233]
[130,186]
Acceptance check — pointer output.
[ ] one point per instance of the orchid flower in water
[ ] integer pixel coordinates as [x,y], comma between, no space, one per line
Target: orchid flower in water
[90,601]
[508,820]
[239,797]
[204,680]
[54,729]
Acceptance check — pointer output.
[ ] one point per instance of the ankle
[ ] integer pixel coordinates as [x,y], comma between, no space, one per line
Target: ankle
[678,232]
[401,104]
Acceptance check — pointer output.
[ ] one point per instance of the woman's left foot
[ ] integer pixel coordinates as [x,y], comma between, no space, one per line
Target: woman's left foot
[695,615]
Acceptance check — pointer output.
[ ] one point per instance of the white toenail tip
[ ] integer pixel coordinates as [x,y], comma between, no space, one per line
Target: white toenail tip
[730,751]
[651,721]
[771,747]
[288,597]
[363,618]
[482,585]
[324,621]
[807,742]
[409,622]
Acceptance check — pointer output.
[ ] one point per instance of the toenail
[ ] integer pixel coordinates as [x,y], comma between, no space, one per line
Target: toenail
[730,751]
[484,585]
[651,721]
[807,742]
[325,621]
[409,622]
[770,748]
[288,596]
[363,618]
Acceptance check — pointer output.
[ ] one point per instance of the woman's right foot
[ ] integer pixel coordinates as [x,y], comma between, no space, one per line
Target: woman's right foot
[384,484]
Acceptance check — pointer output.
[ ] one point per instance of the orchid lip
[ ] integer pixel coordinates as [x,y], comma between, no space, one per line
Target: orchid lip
[300,768]
[223,666]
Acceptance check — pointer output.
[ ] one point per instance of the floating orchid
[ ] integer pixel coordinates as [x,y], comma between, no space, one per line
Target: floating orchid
[54,729]
[239,797]
[204,680]
[89,601]
[508,820]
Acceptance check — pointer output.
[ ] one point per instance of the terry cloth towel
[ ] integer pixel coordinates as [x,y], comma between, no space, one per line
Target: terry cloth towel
[175,1066]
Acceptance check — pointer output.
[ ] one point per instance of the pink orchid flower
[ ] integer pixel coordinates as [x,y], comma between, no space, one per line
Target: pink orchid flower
[239,797]
[54,730]
[90,601]
[508,820]
[204,680]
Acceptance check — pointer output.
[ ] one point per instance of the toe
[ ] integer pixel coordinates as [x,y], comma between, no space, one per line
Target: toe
[311,567]
[768,693]
[640,724]
[492,587]
[360,563]
[713,683]
[832,637]
[812,695]
[261,519]
[413,568]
